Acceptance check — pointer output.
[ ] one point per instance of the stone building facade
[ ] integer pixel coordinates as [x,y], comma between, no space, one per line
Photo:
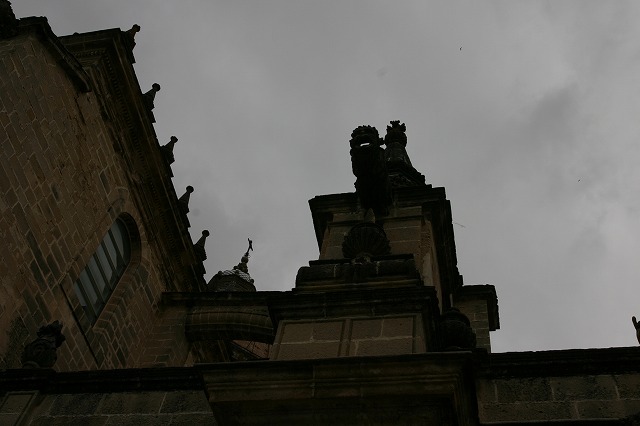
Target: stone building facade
[380,329]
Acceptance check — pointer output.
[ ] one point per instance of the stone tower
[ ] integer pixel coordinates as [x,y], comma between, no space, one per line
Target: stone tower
[386,281]
[380,328]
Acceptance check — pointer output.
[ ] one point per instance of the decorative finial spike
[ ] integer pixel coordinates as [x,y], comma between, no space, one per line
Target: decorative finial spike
[183,201]
[132,32]
[150,96]
[167,150]
[396,133]
[199,246]
[242,266]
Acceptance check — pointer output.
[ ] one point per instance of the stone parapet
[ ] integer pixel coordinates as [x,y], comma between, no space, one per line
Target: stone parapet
[570,385]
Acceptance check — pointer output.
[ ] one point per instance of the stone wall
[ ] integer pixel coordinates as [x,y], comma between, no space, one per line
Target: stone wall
[567,385]
[62,186]
[179,407]
[389,335]
[600,396]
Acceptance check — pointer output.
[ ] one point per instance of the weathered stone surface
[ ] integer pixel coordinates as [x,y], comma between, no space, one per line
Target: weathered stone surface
[384,390]
[398,327]
[628,385]
[366,328]
[328,330]
[16,402]
[297,332]
[530,411]
[598,409]
[523,390]
[310,350]
[377,347]
[129,402]
[599,387]
[70,421]
[68,404]
[559,385]
[185,402]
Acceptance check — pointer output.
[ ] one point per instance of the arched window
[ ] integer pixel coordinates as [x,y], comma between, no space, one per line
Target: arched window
[104,269]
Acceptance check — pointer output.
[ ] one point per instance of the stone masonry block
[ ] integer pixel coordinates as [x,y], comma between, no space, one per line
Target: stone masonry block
[607,409]
[191,419]
[405,247]
[185,402]
[70,421]
[333,252]
[297,332]
[83,403]
[140,420]
[396,327]
[309,350]
[9,419]
[381,347]
[514,412]
[126,402]
[16,402]
[409,233]
[366,328]
[628,385]
[486,391]
[329,330]
[589,387]
[523,389]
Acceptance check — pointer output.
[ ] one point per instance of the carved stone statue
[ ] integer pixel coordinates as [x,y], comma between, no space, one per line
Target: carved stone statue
[369,167]
[41,353]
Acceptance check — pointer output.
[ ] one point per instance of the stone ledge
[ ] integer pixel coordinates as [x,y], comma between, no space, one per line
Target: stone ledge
[568,362]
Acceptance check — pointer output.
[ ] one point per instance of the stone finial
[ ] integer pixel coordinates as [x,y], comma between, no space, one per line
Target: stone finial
[8,21]
[242,266]
[396,142]
[133,31]
[183,201]
[401,172]
[150,96]
[41,353]
[236,279]
[396,133]
[167,150]
[199,246]
[130,36]
[636,325]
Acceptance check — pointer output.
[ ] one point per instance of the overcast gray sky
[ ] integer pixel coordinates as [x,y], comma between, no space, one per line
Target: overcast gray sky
[528,113]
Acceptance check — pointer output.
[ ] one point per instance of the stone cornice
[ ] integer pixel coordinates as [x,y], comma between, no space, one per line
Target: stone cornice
[568,362]
[109,60]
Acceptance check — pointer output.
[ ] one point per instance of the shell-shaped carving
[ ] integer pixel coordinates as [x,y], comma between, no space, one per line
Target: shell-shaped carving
[365,239]
[456,331]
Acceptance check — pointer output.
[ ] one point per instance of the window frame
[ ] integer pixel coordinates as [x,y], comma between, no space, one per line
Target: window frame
[97,281]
